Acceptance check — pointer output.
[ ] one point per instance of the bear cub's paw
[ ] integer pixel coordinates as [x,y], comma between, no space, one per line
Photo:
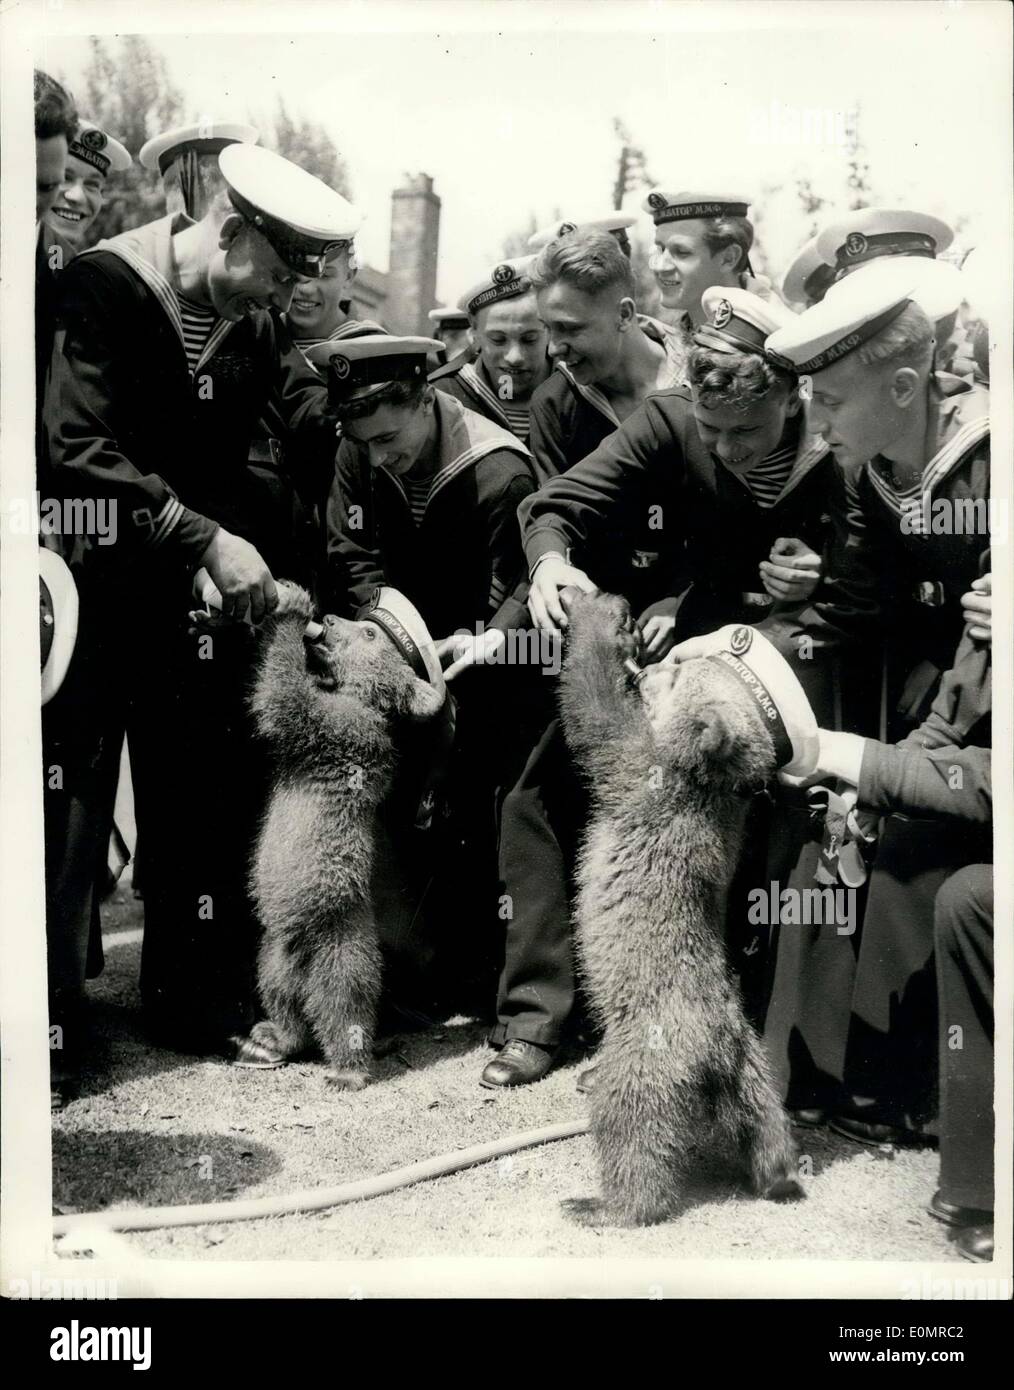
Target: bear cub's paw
[292,600]
[347,1080]
[784,1189]
[601,618]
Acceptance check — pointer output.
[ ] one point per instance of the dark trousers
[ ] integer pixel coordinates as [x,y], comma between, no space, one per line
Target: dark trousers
[963,936]
[891,1057]
[198,787]
[541,822]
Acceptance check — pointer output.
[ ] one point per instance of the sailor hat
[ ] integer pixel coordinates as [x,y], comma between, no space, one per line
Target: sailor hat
[866,233]
[204,137]
[358,367]
[505,281]
[752,659]
[98,149]
[448,320]
[305,221]
[738,321]
[58,609]
[938,287]
[404,625]
[808,277]
[683,207]
[616,223]
[848,316]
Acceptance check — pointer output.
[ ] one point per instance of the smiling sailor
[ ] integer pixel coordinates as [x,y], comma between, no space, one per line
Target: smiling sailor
[92,156]
[167,360]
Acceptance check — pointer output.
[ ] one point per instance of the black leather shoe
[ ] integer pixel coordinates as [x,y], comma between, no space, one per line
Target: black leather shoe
[586,1081]
[808,1118]
[953,1215]
[870,1132]
[518,1064]
[975,1242]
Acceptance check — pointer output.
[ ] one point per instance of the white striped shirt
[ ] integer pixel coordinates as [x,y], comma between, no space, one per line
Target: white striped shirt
[198,323]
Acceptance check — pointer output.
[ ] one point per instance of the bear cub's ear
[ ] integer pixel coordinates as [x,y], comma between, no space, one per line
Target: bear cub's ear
[715,738]
[419,699]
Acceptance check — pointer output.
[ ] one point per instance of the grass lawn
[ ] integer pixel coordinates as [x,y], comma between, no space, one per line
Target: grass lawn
[153,1128]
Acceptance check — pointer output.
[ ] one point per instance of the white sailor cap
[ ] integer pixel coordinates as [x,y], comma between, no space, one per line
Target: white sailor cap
[849,315]
[404,625]
[203,137]
[738,321]
[305,221]
[448,320]
[809,276]
[866,233]
[505,281]
[98,149]
[782,702]
[358,367]
[684,207]
[938,287]
[58,611]
[616,223]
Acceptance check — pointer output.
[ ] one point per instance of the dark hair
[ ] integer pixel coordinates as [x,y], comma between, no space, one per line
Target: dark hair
[741,379]
[590,261]
[721,232]
[392,393]
[55,113]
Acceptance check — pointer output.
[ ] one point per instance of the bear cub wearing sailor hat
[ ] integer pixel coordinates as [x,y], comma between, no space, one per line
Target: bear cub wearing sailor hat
[668,761]
[328,699]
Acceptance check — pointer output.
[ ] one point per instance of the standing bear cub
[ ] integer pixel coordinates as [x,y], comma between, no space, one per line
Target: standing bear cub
[327,709]
[668,765]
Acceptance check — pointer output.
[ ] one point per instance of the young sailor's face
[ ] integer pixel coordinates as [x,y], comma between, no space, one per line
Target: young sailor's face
[584,330]
[79,200]
[683,266]
[50,164]
[739,438]
[246,274]
[315,311]
[512,344]
[852,408]
[394,436]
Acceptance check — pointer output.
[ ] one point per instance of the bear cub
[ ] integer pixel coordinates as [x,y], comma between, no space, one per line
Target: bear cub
[329,711]
[668,765]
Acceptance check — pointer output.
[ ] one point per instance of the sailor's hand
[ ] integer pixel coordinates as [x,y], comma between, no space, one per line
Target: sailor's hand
[241,577]
[977,609]
[465,649]
[658,635]
[792,571]
[551,575]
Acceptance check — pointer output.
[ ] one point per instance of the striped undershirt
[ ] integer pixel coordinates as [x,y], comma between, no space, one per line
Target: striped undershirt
[518,419]
[197,325]
[766,481]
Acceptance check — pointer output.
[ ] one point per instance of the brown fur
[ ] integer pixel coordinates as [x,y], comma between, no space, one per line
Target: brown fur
[667,766]
[326,710]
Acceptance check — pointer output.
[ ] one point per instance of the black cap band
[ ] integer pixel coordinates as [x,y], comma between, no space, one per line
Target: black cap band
[305,254]
[197,147]
[858,247]
[351,377]
[765,702]
[507,289]
[398,634]
[89,156]
[662,211]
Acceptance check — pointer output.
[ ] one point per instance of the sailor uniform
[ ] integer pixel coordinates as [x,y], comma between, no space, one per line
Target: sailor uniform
[713,530]
[133,422]
[463,559]
[466,379]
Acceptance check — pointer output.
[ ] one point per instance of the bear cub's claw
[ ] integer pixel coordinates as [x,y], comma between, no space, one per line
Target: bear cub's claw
[347,1080]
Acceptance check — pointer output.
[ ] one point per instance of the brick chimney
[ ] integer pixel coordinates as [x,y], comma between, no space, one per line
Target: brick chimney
[411,287]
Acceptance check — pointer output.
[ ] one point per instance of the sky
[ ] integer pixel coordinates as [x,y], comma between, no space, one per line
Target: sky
[510,108]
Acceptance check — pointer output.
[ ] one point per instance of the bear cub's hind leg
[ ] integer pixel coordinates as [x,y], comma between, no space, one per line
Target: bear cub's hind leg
[761,1128]
[340,996]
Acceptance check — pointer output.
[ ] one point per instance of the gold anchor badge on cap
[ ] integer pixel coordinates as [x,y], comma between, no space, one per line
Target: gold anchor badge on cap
[855,244]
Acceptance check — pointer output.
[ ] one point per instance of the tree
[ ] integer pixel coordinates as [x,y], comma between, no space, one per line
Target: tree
[857,167]
[310,146]
[132,97]
[631,169]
